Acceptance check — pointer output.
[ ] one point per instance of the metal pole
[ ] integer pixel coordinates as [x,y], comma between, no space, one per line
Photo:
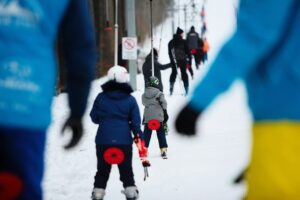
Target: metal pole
[116,32]
[131,31]
[185,19]
[151,30]
[173,21]
[178,10]
[161,32]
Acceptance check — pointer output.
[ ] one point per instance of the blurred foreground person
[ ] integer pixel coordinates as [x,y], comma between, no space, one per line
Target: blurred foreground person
[28,34]
[264,52]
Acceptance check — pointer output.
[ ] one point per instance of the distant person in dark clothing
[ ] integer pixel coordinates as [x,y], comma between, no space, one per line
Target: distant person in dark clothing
[205,50]
[195,44]
[180,57]
[147,68]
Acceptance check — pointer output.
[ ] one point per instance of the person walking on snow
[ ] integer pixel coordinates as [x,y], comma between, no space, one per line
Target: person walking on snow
[117,114]
[195,44]
[27,85]
[264,52]
[204,50]
[147,69]
[179,55]
[155,109]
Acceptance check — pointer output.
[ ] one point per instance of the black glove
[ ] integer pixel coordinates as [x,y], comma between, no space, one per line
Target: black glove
[77,131]
[166,116]
[186,121]
[146,163]
[166,128]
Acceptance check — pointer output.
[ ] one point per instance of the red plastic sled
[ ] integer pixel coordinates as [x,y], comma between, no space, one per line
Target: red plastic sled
[153,124]
[113,156]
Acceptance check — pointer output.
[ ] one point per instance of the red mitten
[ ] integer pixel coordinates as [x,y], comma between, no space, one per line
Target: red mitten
[143,151]
[193,51]
[188,65]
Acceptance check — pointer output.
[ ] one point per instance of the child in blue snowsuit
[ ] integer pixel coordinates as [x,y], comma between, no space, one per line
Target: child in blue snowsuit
[117,114]
[28,32]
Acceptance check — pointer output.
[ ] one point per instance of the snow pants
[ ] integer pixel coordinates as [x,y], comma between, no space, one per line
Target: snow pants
[184,76]
[161,136]
[197,59]
[21,163]
[103,168]
[274,169]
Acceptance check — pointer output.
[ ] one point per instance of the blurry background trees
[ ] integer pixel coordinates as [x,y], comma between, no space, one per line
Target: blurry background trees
[104,10]
[103,15]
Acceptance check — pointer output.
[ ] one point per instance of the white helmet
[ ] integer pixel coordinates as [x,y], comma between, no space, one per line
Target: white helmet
[118,74]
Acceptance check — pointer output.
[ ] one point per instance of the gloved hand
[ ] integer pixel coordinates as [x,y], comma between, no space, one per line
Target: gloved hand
[187,66]
[166,128]
[146,163]
[185,122]
[193,51]
[166,116]
[77,131]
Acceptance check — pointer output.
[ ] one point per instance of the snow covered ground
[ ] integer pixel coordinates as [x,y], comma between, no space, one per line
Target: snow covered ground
[202,167]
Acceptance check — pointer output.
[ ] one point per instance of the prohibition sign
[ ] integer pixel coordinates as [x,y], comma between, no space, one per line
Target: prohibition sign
[129,44]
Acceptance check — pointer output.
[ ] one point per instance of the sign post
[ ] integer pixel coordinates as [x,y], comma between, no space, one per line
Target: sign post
[129,48]
[131,30]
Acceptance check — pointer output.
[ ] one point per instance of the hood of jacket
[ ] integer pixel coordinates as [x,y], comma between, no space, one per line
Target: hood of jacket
[151,92]
[116,90]
[177,37]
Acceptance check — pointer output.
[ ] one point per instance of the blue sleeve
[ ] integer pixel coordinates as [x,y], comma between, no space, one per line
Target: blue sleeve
[256,37]
[135,119]
[79,50]
[94,112]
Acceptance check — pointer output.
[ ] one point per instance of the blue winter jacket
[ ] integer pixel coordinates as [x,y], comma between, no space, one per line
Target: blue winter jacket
[117,114]
[264,52]
[28,33]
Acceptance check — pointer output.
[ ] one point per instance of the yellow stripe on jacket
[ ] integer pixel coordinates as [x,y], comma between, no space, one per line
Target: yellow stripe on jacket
[274,172]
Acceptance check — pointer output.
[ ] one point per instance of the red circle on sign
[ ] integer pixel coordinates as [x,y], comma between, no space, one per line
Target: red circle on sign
[153,124]
[10,186]
[129,44]
[113,155]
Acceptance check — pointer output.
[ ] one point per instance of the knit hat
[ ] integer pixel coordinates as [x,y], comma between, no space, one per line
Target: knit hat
[179,31]
[118,74]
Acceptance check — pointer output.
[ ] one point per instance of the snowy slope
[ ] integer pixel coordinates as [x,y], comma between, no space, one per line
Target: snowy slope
[198,168]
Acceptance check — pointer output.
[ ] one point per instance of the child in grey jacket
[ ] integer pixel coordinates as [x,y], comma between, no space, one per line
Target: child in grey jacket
[155,114]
